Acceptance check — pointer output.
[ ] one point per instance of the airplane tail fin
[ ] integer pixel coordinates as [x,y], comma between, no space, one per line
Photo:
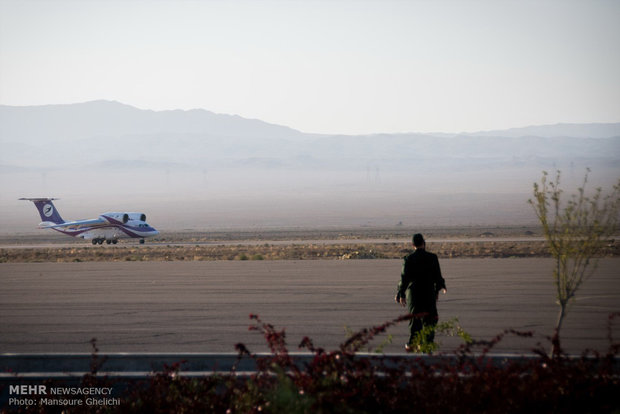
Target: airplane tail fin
[47,210]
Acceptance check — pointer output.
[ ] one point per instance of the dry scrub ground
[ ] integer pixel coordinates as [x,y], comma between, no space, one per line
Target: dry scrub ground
[297,251]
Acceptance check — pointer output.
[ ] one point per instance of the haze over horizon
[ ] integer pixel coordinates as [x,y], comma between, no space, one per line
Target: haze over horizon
[200,170]
[316,113]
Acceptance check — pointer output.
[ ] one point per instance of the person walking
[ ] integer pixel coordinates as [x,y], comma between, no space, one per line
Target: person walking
[418,289]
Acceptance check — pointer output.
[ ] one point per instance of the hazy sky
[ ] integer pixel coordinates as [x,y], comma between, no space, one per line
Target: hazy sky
[323,66]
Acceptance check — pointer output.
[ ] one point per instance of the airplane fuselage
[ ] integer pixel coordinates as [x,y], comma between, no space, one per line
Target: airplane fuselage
[108,227]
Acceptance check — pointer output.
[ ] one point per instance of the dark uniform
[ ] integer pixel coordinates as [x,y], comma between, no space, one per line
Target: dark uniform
[420,283]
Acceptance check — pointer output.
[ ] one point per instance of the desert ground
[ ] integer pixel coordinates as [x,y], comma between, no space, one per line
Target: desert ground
[298,244]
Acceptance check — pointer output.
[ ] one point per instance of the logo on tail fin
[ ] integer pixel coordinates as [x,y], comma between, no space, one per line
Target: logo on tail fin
[48,210]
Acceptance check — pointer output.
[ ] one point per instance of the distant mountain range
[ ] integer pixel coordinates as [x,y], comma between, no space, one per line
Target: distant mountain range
[110,118]
[107,134]
[193,169]
[93,119]
[593,130]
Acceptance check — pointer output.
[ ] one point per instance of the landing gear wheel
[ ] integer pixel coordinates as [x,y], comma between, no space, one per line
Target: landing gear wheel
[114,241]
[94,241]
[141,241]
[100,241]
[109,241]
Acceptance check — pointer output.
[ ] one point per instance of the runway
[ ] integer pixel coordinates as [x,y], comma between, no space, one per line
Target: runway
[204,306]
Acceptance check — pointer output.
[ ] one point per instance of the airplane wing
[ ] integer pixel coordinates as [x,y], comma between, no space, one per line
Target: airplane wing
[75,225]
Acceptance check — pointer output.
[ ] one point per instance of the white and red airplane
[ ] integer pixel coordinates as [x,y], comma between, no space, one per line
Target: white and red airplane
[109,227]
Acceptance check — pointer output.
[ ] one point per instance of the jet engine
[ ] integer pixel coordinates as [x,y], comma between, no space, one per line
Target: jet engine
[137,216]
[124,217]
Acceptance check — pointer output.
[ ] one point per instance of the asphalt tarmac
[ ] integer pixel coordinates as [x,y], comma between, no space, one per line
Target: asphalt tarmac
[205,306]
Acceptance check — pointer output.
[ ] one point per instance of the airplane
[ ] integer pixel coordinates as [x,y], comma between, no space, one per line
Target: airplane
[109,227]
